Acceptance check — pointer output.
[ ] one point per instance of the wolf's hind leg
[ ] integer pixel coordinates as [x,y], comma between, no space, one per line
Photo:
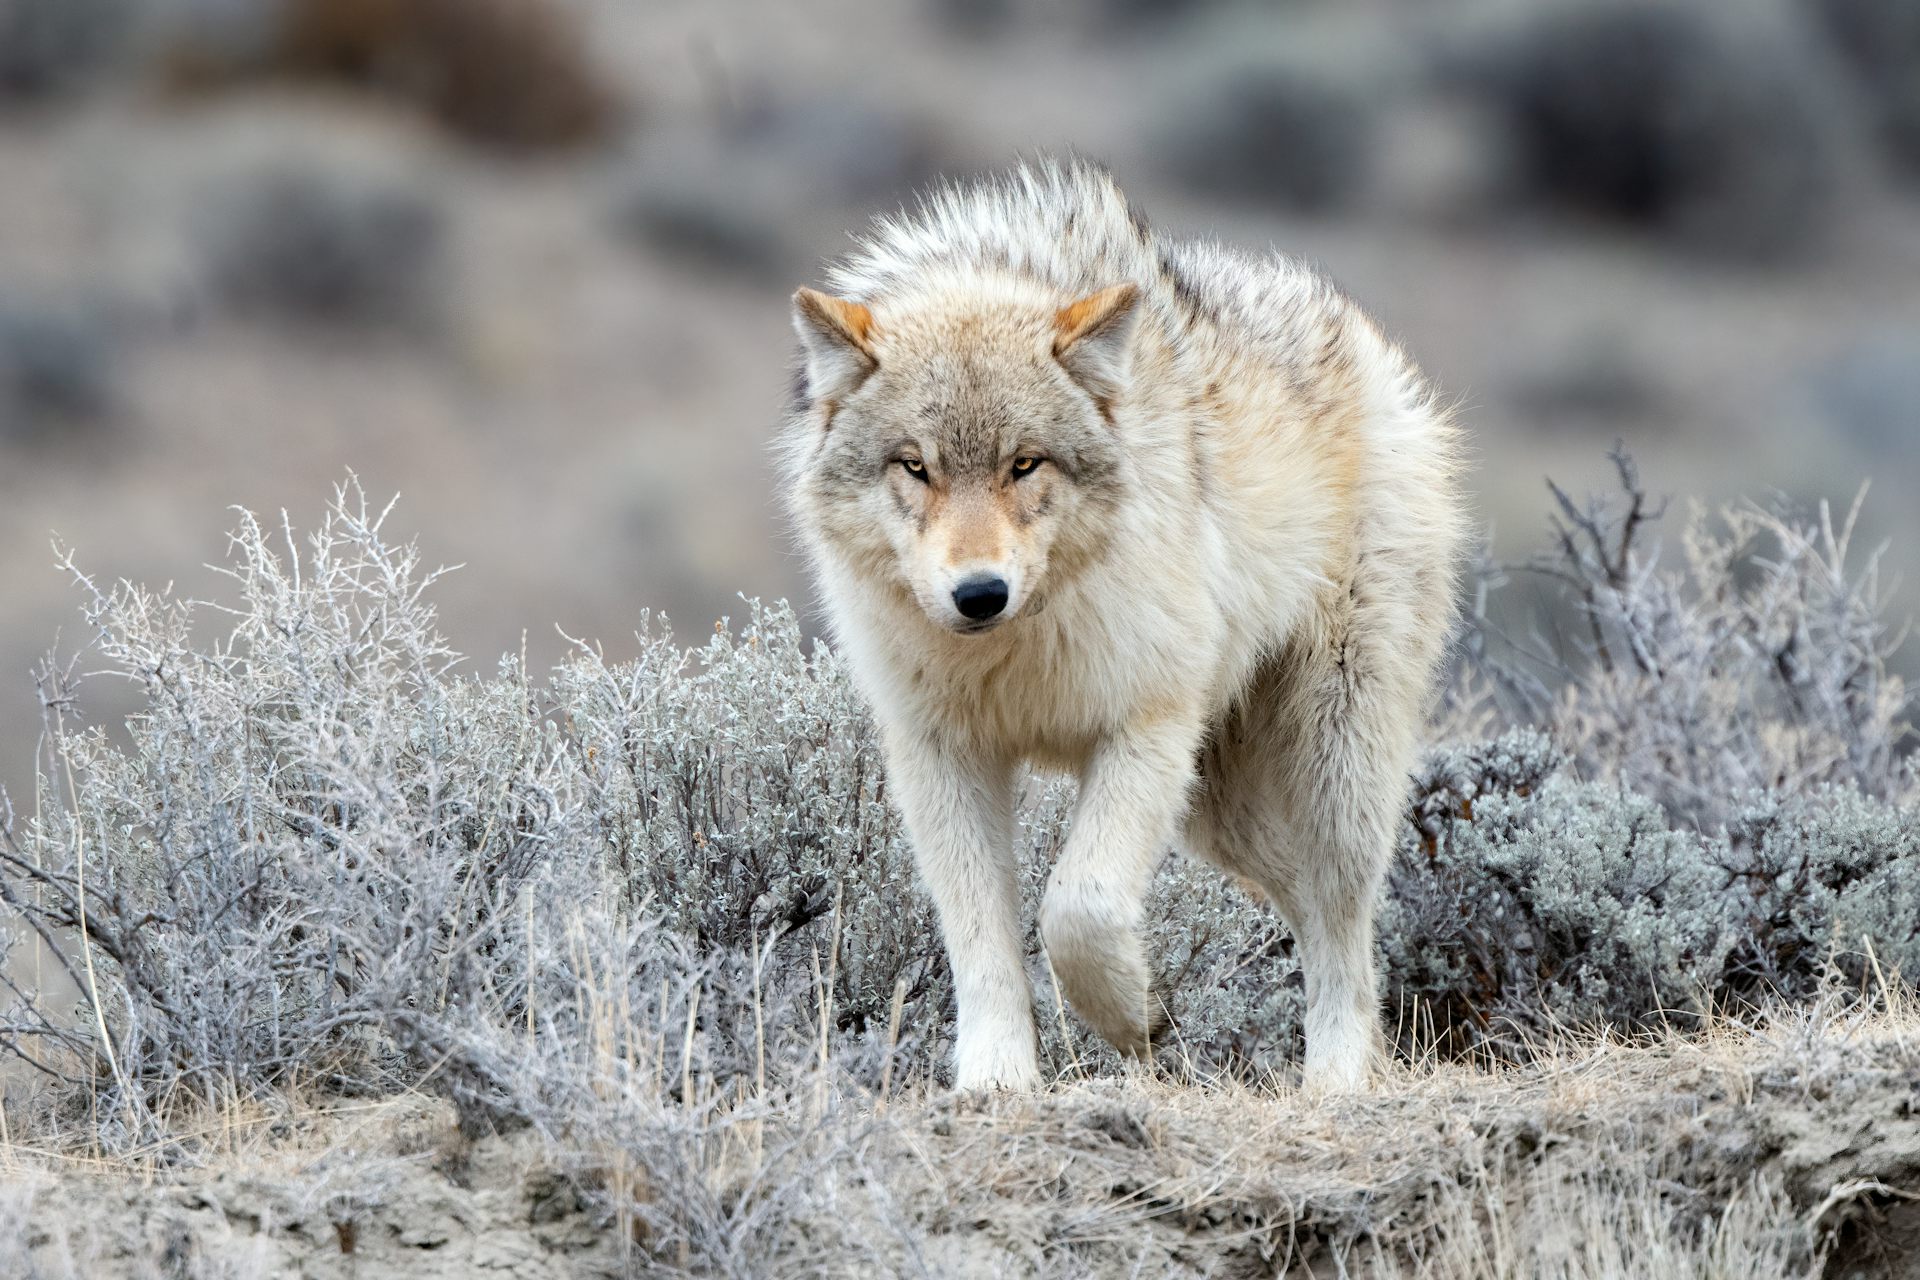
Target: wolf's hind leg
[1331,910]
[1324,885]
[1303,791]
[1131,797]
[1355,733]
[959,813]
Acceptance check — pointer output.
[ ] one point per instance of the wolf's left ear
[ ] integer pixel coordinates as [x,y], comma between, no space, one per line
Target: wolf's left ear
[1093,338]
[836,337]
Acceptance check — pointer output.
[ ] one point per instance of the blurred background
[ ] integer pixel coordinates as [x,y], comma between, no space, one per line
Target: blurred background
[525,262]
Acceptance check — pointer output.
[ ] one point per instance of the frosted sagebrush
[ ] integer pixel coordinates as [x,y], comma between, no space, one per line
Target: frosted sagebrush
[1530,900]
[301,848]
[738,792]
[1526,900]
[1761,661]
[324,859]
[1829,877]
[621,901]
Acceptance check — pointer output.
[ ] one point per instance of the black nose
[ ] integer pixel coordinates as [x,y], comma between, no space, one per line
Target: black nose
[980,598]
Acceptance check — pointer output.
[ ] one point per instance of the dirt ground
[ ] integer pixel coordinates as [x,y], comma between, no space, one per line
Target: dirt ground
[1788,1149]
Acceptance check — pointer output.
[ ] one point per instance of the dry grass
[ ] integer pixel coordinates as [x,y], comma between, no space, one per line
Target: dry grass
[1759,1149]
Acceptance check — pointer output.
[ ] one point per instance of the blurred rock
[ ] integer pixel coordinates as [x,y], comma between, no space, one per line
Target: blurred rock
[1599,386]
[838,147]
[703,221]
[1871,392]
[50,46]
[324,244]
[735,194]
[1708,124]
[1881,42]
[1290,130]
[56,371]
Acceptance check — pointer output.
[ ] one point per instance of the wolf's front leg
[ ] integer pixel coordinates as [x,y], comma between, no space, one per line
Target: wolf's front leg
[959,812]
[1132,795]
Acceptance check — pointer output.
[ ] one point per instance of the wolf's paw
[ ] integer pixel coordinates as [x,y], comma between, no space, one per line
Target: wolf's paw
[1097,962]
[1334,1074]
[1333,1084]
[997,1067]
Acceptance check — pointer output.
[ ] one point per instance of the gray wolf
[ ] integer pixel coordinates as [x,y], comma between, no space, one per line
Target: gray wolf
[1178,519]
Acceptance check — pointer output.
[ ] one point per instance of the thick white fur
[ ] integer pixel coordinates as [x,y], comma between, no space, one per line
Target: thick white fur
[1228,629]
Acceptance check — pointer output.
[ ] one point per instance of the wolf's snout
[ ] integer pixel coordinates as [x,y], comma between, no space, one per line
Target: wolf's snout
[980,597]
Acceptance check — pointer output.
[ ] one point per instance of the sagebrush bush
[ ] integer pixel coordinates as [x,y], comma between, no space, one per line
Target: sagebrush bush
[1762,660]
[1529,901]
[631,902]
[740,797]
[1813,877]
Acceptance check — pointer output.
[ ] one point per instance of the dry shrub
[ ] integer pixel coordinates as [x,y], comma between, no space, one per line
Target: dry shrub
[1763,660]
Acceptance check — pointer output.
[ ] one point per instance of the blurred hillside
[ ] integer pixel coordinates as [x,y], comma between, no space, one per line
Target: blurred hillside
[526,263]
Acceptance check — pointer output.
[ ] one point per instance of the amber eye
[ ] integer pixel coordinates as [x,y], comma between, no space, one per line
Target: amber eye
[915,468]
[1024,465]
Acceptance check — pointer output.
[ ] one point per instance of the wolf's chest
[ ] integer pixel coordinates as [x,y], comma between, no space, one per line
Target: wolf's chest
[1044,696]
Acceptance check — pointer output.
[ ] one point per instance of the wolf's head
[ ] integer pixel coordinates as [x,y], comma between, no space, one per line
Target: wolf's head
[959,442]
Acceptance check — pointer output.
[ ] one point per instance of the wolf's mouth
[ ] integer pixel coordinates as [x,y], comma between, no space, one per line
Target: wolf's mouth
[978,628]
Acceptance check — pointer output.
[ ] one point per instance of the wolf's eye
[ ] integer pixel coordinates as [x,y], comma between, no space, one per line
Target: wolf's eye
[1024,465]
[915,468]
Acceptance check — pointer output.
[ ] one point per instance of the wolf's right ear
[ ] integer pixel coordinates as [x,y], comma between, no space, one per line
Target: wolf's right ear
[1093,339]
[836,336]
